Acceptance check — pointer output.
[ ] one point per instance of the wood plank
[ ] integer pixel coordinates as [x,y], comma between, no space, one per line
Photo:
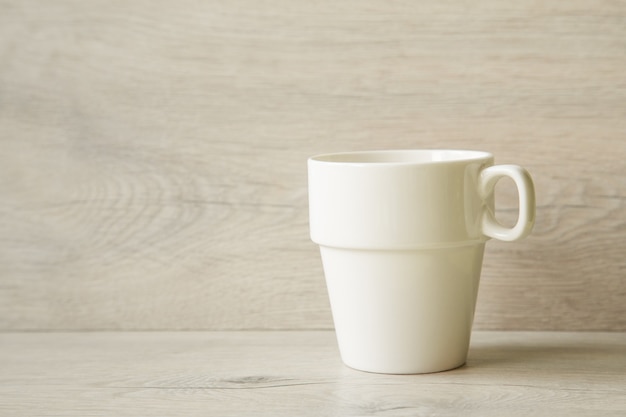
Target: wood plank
[152,171]
[299,373]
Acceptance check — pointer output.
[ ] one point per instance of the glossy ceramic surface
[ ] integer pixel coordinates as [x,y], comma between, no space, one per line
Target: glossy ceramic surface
[402,235]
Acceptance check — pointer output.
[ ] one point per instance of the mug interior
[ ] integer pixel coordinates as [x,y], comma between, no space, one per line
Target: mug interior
[402,156]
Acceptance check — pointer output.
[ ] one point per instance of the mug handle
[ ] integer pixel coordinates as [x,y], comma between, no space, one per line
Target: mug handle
[526,191]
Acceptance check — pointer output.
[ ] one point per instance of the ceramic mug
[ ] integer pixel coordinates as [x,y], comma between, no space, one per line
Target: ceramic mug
[401,237]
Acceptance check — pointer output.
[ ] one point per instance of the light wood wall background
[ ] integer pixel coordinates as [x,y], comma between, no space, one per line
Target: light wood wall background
[153,153]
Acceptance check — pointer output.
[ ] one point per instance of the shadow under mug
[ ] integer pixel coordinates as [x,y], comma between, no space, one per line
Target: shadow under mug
[402,236]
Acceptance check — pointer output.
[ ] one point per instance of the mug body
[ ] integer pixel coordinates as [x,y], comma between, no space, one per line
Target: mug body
[401,245]
[403,311]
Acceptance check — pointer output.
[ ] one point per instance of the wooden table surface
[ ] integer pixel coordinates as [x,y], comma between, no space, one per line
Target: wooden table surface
[296,373]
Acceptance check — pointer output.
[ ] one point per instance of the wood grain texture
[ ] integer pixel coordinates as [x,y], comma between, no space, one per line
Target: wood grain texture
[300,373]
[152,170]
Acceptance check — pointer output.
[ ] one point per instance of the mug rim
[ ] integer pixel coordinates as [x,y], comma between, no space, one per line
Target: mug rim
[401,157]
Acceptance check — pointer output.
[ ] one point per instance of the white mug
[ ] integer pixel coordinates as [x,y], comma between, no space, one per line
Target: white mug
[401,237]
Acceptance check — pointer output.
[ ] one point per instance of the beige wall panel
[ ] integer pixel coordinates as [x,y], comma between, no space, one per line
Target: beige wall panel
[153,159]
